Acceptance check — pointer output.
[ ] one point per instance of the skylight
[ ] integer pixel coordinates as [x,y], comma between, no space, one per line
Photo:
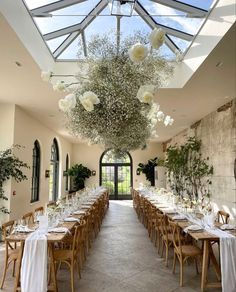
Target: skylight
[64,23]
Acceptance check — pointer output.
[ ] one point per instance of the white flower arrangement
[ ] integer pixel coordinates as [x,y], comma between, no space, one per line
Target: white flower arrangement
[114,104]
[138,53]
[157,38]
[168,121]
[68,103]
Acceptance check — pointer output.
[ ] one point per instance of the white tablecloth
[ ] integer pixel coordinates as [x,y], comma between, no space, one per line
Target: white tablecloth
[34,263]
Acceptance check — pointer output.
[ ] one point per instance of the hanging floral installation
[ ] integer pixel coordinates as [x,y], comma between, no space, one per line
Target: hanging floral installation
[113,103]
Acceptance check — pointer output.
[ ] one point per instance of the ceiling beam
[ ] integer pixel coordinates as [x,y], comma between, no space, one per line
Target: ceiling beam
[192,10]
[84,43]
[54,6]
[118,18]
[65,44]
[79,26]
[149,20]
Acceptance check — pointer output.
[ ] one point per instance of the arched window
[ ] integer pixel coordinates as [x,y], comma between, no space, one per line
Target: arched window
[116,173]
[35,172]
[67,176]
[54,172]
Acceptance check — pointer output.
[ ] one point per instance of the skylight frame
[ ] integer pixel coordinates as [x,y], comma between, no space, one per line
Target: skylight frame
[79,29]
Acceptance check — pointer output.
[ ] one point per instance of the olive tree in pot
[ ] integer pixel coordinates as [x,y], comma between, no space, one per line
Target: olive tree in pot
[10,167]
[149,169]
[79,173]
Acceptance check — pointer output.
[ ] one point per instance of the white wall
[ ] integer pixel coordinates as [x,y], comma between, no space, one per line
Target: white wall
[24,130]
[7,115]
[89,156]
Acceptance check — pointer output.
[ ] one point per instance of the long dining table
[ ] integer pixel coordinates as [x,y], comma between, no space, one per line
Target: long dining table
[52,238]
[203,236]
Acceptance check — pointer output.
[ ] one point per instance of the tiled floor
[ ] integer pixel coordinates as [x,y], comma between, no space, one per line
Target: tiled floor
[123,259]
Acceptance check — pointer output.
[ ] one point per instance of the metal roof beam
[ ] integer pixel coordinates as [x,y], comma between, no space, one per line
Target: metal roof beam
[54,6]
[196,11]
[79,26]
[149,20]
[84,43]
[65,44]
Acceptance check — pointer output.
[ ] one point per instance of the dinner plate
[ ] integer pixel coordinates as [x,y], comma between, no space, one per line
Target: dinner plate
[227,227]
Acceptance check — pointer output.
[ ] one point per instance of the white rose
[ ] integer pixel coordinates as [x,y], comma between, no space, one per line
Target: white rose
[71,98]
[160,116]
[146,93]
[157,38]
[91,96]
[63,105]
[59,86]
[67,103]
[138,53]
[87,104]
[46,75]
[168,121]
[147,97]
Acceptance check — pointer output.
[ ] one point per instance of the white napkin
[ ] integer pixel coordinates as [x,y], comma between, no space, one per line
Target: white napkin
[58,230]
[179,217]
[79,212]
[227,227]
[71,219]
[34,263]
[23,229]
[192,228]
[227,259]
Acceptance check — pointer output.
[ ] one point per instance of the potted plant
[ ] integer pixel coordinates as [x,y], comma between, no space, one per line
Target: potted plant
[79,173]
[148,169]
[10,167]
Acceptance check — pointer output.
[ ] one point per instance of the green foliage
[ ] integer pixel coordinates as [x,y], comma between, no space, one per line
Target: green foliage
[10,167]
[79,174]
[148,169]
[187,170]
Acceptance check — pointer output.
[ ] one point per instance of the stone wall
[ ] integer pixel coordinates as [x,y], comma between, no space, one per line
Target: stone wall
[217,132]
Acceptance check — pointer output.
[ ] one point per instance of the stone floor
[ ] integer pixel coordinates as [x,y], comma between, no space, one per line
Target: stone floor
[123,259]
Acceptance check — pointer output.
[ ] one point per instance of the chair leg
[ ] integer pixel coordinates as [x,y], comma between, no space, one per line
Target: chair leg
[181,272]
[72,277]
[174,263]
[167,255]
[4,273]
[196,265]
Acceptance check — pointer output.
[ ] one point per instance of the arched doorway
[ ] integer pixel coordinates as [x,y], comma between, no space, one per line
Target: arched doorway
[116,174]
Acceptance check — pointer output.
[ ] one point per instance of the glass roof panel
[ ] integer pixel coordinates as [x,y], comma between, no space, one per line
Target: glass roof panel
[204,4]
[171,17]
[37,3]
[101,25]
[55,43]
[129,25]
[182,44]
[53,23]
[107,23]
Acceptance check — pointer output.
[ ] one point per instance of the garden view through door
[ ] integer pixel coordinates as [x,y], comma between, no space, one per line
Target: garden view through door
[116,174]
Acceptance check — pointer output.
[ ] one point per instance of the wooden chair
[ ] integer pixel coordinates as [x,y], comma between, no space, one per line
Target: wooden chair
[166,236]
[28,218]
[71,256]
[11,251]
[39,210]
[222,217]
[183,251]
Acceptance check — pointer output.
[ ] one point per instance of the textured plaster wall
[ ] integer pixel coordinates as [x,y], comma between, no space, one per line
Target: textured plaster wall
[218,134]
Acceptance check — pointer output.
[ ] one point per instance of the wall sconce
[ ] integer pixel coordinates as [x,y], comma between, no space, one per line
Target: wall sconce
[47,173]
[93,172]
[137,172]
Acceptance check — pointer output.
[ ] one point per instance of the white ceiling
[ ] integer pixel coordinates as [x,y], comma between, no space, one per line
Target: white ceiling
[209,87]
